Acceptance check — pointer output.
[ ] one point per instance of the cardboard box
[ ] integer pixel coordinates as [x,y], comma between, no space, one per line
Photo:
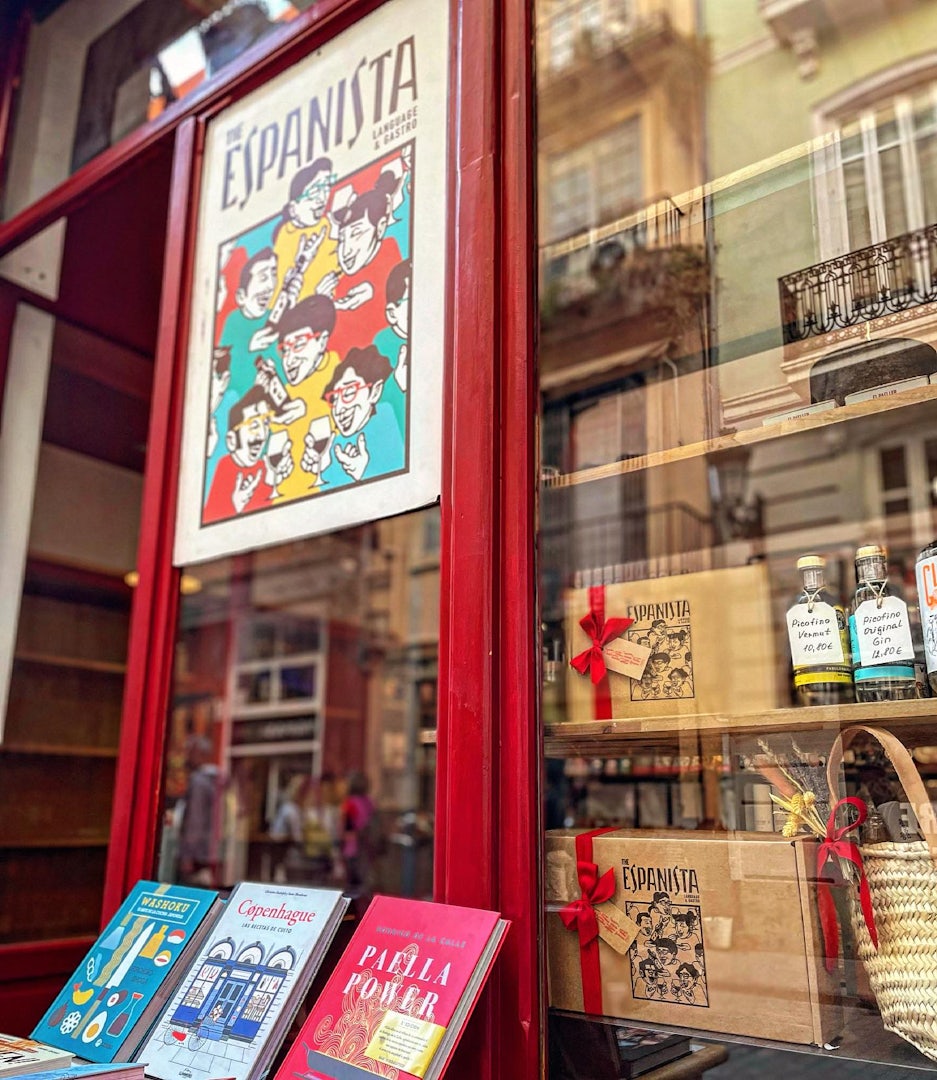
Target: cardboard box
[748,961]
[721,618]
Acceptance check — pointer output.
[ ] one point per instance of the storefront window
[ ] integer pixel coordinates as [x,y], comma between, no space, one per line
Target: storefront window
[737,356]
[95,73]
[303,714]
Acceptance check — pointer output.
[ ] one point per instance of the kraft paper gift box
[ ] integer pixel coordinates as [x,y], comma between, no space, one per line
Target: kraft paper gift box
[721,618]
[748,960]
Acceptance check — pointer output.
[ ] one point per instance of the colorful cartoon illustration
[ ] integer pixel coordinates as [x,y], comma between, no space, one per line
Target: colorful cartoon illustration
[312,353]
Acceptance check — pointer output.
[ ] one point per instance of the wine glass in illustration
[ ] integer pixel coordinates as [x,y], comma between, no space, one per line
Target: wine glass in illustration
[320,432]
[277,446]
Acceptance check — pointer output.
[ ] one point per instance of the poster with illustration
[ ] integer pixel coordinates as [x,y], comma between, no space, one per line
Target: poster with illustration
[664,628]
[315,361]
[668,961]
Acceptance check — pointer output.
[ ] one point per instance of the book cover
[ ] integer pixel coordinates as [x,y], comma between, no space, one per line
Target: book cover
[399,997]
[96,1012]
[19,1056]
[599,1048]
[88,1070]
[640,1050]
[233,1006]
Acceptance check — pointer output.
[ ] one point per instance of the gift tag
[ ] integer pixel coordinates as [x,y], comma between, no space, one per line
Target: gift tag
[615,928]
[626,657]
[883,632]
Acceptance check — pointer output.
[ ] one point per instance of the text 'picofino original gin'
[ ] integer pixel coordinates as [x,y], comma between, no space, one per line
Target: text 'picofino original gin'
[880,633]
[819,640]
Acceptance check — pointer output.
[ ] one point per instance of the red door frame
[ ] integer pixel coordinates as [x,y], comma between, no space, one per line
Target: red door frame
[487,821]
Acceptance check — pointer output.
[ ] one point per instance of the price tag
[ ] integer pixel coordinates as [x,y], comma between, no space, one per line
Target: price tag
[884,633]
[814,635]
[626,657]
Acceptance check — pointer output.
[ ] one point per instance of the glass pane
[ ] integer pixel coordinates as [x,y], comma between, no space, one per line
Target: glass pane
[104,70]
[737,461]
[305,700]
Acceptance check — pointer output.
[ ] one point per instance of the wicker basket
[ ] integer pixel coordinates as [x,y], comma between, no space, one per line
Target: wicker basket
[903,883]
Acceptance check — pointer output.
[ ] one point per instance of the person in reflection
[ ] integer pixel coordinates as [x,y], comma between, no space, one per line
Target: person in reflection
[358,830]
[200,828]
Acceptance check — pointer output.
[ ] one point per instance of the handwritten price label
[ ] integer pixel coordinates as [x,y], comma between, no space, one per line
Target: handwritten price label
[626,657]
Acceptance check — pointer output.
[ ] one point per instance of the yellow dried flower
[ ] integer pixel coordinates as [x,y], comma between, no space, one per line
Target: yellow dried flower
[797,802]
[809,799]
[791,827]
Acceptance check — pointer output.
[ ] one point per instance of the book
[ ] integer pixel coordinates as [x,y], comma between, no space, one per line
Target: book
[103,1010]
[88,1070]
[19,1056]
[400,995]
[233,1006]
[640,1050]
[594,1048]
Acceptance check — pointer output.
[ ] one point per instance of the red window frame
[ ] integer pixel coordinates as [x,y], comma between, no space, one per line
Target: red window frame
[488,830]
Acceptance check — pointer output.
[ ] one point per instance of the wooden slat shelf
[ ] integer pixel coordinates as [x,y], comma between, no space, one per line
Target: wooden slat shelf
[746,437]
[612,737]
[59,750]
[47,842]
[80,663]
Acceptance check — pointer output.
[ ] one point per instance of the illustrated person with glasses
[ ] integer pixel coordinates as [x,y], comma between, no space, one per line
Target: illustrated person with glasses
[305,222]
[240,484]
[367,441]
[393,340]
[308,364]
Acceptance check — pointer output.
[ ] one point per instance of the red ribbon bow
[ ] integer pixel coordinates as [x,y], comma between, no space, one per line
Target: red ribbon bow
[580,915]
[835,845]
[601,631]
[595,890]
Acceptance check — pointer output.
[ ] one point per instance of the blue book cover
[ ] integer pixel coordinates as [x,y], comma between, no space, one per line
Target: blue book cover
[82,1072]
[95,1012]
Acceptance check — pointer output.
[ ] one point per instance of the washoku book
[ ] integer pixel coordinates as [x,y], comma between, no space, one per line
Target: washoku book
[234,1004]
[99,1012]
[398,999]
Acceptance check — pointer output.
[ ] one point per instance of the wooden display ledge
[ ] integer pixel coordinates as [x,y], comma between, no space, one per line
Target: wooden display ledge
[614,737]
[746,437]
[58,750]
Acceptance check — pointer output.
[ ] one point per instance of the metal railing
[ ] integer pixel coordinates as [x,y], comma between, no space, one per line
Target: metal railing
[882,279]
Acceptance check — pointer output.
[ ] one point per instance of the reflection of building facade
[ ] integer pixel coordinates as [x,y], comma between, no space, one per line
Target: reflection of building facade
[842,300]
[624,278]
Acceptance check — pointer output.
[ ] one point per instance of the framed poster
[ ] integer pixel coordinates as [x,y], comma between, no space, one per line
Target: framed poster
[313,397]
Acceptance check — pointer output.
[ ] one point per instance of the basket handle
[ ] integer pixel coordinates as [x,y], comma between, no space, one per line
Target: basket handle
[897,753]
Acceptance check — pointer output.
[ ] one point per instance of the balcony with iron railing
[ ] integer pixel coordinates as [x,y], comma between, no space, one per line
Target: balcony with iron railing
[573,33]
[890,278]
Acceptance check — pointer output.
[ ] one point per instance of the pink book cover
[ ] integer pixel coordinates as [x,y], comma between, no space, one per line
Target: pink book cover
[394,992]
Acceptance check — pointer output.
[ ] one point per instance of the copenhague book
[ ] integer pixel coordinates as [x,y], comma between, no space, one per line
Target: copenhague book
[397,1001]
[19,1056]
[102,1011]
[234,1004]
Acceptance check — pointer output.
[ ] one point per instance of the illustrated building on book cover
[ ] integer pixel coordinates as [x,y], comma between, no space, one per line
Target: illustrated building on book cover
[20,1056]
[97,1013]
[233,1006]
[397,1001]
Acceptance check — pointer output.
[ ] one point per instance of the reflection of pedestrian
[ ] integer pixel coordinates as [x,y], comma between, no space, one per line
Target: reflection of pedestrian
[357,814]
[200,829]
[287,827]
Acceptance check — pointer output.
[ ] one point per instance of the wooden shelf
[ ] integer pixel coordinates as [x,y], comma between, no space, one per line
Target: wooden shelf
[746,437]
[80,663]
[47,842]
[613,737]
[59,750]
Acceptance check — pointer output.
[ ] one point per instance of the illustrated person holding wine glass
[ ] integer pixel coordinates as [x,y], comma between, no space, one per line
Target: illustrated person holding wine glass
[308,364]
[367,442]
[240,483]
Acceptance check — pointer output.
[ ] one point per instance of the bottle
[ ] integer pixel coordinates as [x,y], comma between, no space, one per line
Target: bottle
[874,830]
[925,572]
[880,633]
[819,640]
